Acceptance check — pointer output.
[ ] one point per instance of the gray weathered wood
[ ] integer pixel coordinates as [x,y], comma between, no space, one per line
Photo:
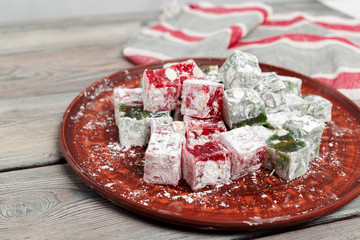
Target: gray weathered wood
[35,94]
[52,202]
[342,230]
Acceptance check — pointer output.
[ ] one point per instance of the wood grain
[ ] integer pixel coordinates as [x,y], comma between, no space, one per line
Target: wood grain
[52,202]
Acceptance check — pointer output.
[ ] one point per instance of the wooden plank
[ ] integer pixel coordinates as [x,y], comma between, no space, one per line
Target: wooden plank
[346,229]
[52,202]
[84,31]
[57,71]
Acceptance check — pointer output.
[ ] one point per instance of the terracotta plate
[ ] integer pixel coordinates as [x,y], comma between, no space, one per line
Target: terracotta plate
[89,141]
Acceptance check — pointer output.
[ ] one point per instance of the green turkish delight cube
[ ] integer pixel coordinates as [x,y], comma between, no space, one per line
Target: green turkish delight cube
[319,107]
[134,123]
[243,107]
[292,85]
[272,91]
[296,104]
[240,70]
[288,156]
[309,129]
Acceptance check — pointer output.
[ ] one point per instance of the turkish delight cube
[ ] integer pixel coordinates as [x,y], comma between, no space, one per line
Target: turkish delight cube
[289,156]
[243,107]
[277,120]
[163,158]
[292,85]
[126,96]
[202,99]
[240,70]
[133,123]
[296,104]
[309,129]
[319,107]
[272,92]
[264,133]
[129,96]
[162,88]
[159,125]
[246,150]
[188,69]
[200,131]
[206,164]
[211,73]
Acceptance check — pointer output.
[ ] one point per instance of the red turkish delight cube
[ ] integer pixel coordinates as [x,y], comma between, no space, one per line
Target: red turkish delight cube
[202,99]
[161,89]
[246,149]
[200,131]
[207,164]
[188,69]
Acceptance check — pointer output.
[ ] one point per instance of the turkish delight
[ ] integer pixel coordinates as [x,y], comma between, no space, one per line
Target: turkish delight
[200,131]
[246,150]
[309,129]
[206,164]
[163,158]
[272,90]
[240,70]
[288,156]
[243,107]
[296,104]
[211,73]
[319,107]
[277,120]
[292,85]
[188,69]
[133,123]
[162,88]
[202,99]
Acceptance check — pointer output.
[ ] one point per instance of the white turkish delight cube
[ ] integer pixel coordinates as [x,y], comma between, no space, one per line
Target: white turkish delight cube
[262,132]
[277,120]
[246,150]
[200,131]
[243,106]
[296,104]
[206,164]
[292,85]
[163,158]
[202,99]
[288,156]
[309,129]
[319,107]
[134,123]
[272,92]
[162,88]
[240,70]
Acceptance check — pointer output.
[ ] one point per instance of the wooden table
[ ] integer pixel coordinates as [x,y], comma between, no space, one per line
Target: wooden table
[43,66]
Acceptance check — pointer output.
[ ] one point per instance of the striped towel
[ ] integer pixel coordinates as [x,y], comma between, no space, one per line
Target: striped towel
[326,48]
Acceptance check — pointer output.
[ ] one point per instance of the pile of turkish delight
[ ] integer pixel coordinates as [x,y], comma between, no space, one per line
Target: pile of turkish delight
[209,125]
